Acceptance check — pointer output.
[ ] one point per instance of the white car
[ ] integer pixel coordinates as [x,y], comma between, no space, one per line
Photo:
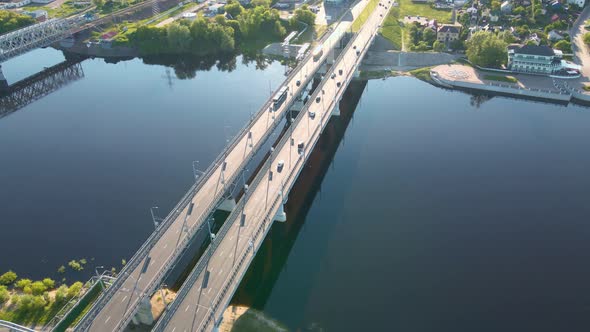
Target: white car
[280,165]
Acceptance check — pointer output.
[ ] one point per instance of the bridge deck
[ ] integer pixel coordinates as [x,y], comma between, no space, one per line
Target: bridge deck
[206,293]
[146,269]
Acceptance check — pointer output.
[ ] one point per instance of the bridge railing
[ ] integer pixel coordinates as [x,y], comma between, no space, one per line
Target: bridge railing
[157,234]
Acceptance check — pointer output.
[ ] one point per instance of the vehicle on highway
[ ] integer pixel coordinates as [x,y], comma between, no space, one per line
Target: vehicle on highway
[317,99]
[280,165]
[358,53]
[298,83]
[300,147]
[280,97]
[340,71]
[312,114]
[338,84]
[333,76]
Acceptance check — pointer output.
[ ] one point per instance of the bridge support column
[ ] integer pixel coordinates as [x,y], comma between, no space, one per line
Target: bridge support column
[144,313]
[3,82]
[336,109]
[281,216]
[330,57]
[228,205]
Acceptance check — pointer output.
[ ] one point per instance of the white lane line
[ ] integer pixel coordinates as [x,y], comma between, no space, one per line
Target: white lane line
[188,306]
[152,262]
[220,271]
[124,299]
[231,237]
[107,320]
[165,245]
[177,231]
[221,253]
[209,291]
[174,329]
[231,255]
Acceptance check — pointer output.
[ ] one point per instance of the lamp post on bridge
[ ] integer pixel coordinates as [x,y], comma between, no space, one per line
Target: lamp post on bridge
[157,220]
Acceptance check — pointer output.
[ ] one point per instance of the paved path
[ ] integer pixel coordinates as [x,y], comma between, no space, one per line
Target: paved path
[207,291]
[581,54]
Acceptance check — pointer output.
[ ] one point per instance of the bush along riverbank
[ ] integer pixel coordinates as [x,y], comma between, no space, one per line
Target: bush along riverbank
[238,29]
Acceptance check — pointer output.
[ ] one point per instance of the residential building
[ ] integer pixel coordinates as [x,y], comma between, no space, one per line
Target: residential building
[554,35]
[448,33]
[534,59]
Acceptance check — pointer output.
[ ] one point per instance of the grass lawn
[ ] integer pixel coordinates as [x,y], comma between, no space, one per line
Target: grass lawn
[422,73]
[507,79]
[391,29]
[586,88]
[408,8]
[364,15]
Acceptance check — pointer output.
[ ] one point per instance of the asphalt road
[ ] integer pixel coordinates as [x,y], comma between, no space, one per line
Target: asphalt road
[144,278]
[203,301]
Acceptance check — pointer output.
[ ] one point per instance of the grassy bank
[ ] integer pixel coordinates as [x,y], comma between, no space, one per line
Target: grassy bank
[391,29]
[408,8]
[422,74]
[499,78]
[364,15]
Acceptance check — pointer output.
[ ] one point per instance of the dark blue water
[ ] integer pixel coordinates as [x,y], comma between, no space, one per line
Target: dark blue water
[434,215]
[82,166]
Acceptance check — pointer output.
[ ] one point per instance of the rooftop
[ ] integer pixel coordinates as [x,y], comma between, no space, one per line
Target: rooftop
[532,50]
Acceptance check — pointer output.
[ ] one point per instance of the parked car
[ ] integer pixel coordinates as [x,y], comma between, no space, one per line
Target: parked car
[280,165]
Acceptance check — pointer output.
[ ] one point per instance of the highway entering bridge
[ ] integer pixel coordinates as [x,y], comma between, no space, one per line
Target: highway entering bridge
[202,299]
[146,270]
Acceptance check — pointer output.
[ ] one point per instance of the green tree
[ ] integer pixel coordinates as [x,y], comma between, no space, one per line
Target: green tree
[486,49]
[586,38]
[234,8]
[98,3]
[49,283]
[428,35]
[10,21]
[8,278]
[38,287]
[22,283]
[75,265]
[438,46]
[74,289]
[4,295]
[304,15]
[260,3]
[179,37]
[507,37]
[38,302]
[61,294]
[61,269]
[564,46]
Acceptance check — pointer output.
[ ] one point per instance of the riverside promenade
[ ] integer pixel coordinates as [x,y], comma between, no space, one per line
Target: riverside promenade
[528,86]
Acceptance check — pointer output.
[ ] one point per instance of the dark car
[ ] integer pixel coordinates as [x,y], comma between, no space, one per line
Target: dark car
[340,71]
[317,99]
[298,83]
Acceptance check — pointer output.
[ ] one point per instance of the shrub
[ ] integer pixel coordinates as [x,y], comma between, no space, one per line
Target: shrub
[75,265]
[4,295]
[8,278]
[23,283]
[75,288]
[38,287]
[49,283]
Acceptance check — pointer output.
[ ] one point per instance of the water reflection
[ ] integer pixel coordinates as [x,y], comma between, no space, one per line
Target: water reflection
[270,260]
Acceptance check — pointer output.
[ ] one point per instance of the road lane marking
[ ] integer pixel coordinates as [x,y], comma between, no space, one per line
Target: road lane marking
[107,320]
[188,306]
[174,329]
[165,245]
[220,271]
[124,299]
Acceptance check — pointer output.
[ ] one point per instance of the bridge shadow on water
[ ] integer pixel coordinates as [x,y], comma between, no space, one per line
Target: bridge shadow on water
[258,282]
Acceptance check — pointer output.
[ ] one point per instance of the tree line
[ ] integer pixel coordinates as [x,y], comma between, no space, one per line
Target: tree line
[222,34]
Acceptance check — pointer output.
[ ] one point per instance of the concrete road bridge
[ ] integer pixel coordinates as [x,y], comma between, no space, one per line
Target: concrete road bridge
[206,293]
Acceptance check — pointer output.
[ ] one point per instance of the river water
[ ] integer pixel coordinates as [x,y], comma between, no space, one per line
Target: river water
[422,209]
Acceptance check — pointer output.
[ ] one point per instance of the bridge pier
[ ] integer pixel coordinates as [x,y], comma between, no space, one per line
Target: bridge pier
[336,109]
[3,82]
[144,313]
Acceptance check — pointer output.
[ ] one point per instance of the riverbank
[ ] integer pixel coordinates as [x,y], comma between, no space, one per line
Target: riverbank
[520,85]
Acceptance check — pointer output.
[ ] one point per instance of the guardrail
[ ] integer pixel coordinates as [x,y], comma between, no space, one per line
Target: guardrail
[162,228]
[15,327]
